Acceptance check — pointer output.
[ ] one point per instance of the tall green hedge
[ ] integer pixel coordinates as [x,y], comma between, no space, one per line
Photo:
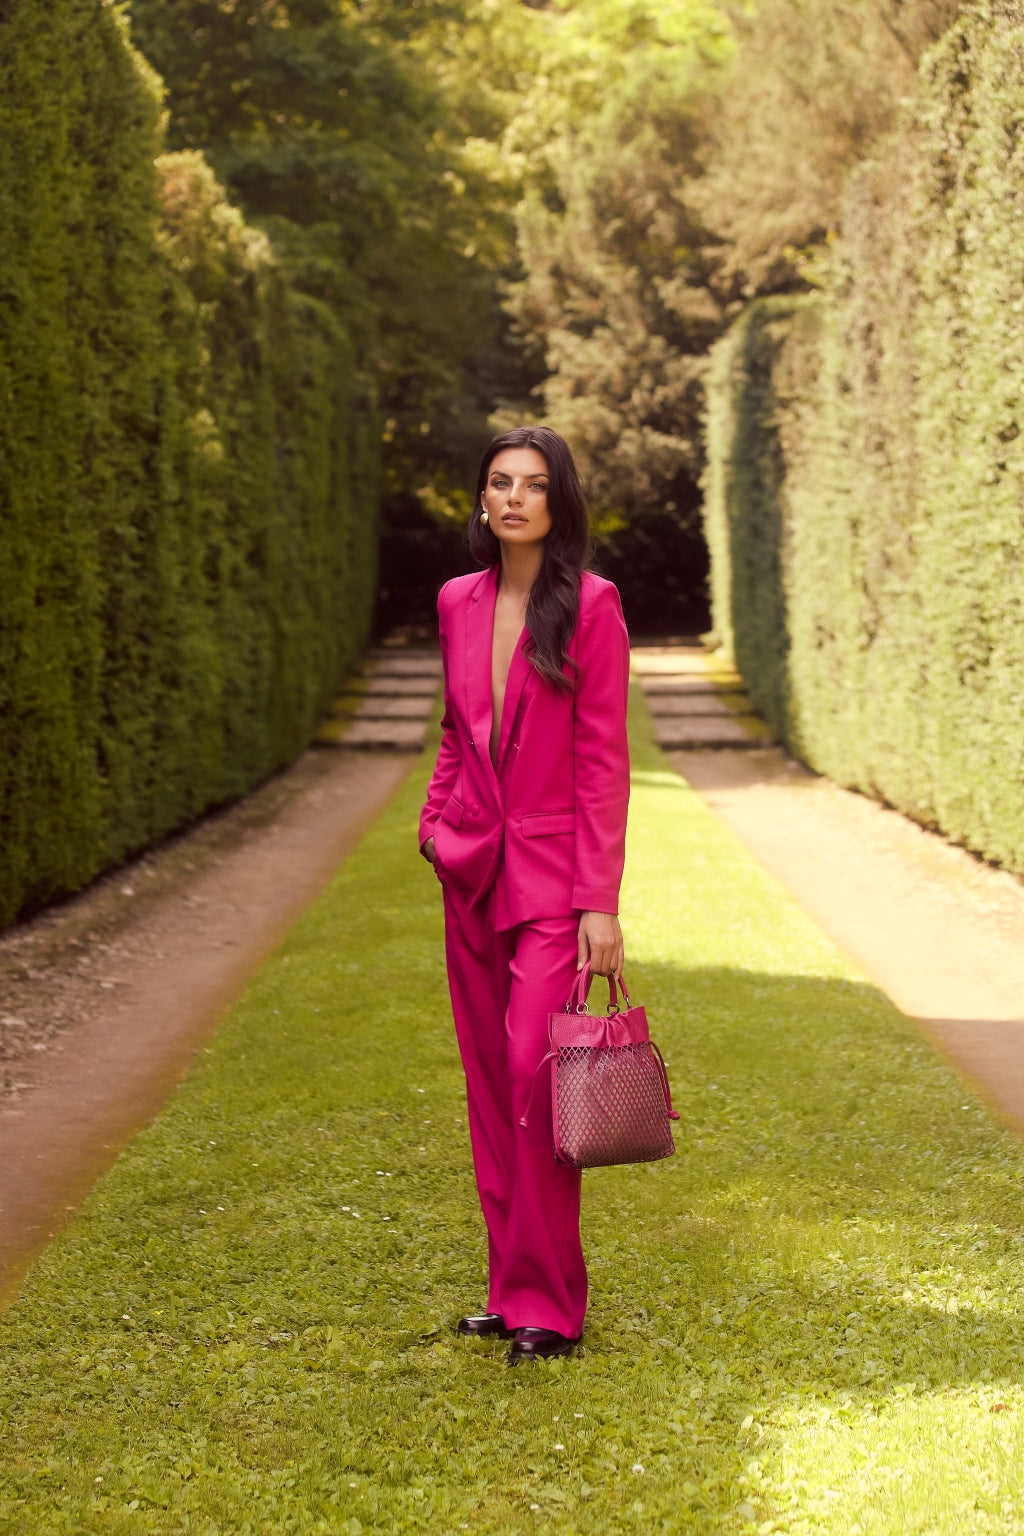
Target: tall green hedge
[188,472]
[865,491]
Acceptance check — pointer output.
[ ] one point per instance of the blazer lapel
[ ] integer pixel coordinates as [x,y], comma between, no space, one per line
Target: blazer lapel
[479,642]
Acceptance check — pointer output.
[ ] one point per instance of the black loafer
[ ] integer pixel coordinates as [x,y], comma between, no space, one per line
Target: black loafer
[489,1325]
[539,1344]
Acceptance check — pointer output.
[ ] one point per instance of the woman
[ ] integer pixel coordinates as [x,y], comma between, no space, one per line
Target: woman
[525,824]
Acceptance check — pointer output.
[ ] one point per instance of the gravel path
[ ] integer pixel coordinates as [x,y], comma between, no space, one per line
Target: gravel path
[105,999]
[938,930]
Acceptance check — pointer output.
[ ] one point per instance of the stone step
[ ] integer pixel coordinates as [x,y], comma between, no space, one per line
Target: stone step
[669,661]
[422,664]
[401,685]
[710,731]
[696,699]
[674,706]
[390,708]
[373,735]
[384,707]
[691,683]
[403,652]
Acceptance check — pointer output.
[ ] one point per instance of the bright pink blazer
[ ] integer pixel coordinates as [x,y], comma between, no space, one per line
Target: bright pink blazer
[546,827]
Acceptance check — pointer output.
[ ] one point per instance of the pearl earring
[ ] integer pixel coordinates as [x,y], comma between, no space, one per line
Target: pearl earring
[484,518]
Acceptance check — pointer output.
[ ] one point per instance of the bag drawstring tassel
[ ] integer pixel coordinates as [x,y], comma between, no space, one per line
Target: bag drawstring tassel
[672,1113]
[524,1117]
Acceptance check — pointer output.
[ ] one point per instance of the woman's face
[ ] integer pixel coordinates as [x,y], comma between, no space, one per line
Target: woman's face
[515,497]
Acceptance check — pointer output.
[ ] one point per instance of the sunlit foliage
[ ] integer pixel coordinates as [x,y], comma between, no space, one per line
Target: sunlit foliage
[867,474]
[814,85]
[614,291]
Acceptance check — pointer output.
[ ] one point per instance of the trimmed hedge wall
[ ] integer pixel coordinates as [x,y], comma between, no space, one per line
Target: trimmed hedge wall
[865,490]
[187,466]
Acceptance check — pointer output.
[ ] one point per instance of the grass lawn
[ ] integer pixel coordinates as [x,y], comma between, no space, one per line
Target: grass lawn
[807,1321]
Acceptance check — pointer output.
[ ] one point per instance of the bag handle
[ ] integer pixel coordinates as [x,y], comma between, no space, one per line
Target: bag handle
[581,990]
[578,1004]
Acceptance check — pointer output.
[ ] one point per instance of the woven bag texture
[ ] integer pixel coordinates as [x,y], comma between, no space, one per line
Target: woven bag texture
[610,1106]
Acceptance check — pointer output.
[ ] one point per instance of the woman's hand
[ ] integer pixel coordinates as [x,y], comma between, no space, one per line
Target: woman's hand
[428,850]
[600,942]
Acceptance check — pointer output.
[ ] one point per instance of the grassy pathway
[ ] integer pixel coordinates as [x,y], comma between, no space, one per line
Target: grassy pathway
[807,1321]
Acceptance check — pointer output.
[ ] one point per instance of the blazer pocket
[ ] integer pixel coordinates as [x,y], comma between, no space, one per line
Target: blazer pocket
[452,812]
[549,823]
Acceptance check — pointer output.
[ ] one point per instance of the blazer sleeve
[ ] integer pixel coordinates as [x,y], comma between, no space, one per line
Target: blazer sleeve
[601,752]
[446,769]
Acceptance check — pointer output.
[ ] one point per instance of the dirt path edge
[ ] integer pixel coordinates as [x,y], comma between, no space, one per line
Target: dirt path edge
[213,907]
[939,931]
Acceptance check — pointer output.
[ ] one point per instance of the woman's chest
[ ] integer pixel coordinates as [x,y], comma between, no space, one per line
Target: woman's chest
[507,635]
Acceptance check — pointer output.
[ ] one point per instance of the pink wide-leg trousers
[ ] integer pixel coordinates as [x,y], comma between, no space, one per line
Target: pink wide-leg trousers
[503,986]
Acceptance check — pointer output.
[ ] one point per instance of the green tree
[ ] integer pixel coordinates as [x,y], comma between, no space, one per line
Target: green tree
[355,135]
[615,292]
[614,299]
[866,471]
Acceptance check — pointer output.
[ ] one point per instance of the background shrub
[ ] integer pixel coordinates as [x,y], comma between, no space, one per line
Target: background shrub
[866,484]
[187,464]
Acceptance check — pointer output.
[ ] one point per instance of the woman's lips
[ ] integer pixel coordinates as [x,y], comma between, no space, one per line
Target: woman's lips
[513,519]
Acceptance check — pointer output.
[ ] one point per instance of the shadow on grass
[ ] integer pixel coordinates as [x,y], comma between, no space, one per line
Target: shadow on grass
[263,1290]
[842,1217]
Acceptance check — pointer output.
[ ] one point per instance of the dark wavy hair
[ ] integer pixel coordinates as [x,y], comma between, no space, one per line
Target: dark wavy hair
[554,604]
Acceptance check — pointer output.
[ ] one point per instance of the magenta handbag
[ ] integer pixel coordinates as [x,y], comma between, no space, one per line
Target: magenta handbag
[610,1099]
